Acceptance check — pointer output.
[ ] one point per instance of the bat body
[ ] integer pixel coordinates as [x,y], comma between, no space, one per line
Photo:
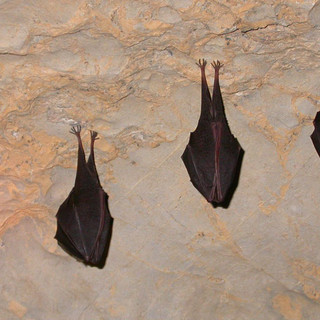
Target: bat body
[84,223]
[315,136]
[213,155]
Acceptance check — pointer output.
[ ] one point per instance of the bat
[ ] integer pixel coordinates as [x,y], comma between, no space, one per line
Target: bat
[315,136]
[84,223]
[213,155]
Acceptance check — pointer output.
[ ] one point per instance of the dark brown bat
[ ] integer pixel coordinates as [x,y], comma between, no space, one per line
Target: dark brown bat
[84,223]
[213,155]
[315,136]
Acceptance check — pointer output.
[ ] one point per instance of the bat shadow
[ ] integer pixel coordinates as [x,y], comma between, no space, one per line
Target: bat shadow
[226,203]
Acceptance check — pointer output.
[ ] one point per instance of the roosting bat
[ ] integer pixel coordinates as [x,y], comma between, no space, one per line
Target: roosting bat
[315,136]
[213,155]
[84,223]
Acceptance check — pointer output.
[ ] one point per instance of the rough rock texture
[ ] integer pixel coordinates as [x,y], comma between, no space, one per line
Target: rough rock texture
[127,70]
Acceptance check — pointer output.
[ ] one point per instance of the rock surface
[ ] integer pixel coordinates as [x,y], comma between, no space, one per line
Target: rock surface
[127,70]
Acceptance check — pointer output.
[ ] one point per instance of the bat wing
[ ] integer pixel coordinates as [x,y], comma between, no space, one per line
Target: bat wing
[84,225]
[198,159]
[315,136]
[229,156]
[213,179]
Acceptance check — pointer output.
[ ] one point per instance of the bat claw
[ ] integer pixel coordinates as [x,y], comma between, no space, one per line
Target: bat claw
[217,65]
[76,130]
[94,135]
[202,63]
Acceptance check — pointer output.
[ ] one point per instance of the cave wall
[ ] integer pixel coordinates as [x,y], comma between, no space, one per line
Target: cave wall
[127,70]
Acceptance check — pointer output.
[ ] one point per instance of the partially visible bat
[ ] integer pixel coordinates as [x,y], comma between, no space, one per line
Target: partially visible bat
[315,136]
[213,155]
[84,223]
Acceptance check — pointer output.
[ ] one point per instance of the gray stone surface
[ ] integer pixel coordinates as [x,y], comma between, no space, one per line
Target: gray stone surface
[127,70]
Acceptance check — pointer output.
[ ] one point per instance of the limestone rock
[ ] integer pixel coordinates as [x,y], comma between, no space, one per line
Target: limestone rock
[127,70]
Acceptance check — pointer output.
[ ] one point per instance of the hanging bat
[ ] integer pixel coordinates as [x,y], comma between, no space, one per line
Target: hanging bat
[213,155]
[84,223]
[315,136]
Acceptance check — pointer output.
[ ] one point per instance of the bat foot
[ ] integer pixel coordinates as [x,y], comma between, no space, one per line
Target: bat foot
[202,63]
[217,65]
[94,135]
[76,130]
